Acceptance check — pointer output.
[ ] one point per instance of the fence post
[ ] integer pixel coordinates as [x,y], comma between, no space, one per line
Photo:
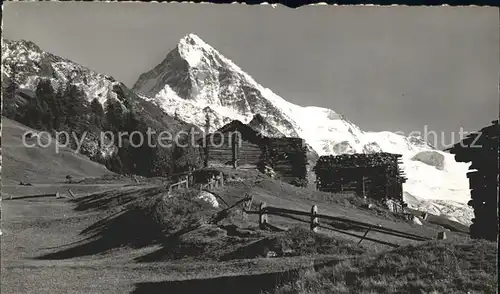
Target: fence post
[262,215]
[71,193]
[364,187]
[248,204]
[221,179]
[235,148]
[364,236]
[314,218]
[441,236]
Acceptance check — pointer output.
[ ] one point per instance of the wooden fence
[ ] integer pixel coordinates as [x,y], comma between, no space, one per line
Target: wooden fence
[181,184]
[214,182]
[317,220]
[188,181]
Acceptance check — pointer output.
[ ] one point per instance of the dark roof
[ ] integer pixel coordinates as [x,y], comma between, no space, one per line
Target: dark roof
[489,133]
[249,133]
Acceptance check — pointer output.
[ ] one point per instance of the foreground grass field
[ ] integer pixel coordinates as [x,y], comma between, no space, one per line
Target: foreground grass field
[133,239]
[434,267]
[48,246]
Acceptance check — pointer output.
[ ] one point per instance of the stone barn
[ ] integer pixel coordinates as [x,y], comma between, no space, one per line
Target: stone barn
[481,149]
[240,146]
[375,176]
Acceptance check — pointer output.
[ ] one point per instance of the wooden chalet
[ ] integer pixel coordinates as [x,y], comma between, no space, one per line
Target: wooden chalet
[240,146]
[481,149]
[376,176]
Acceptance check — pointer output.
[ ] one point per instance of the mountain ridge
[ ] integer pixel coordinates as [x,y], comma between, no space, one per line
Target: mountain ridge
[40,89]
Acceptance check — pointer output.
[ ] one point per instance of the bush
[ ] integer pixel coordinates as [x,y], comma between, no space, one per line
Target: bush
[179,211]
[305,242]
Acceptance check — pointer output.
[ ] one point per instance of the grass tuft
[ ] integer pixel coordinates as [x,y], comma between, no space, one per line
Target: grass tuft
[432,267]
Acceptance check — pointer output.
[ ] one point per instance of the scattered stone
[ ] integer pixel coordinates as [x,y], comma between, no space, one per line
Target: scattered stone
[235,179]
[390,205]
[269,171]
[271,254]
[417,221]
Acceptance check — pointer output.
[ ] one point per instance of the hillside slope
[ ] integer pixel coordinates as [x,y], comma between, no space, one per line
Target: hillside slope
[51,93]
[41,164]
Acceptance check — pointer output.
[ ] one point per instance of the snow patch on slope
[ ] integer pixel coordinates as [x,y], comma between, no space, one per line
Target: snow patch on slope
[452,210]
[432,158]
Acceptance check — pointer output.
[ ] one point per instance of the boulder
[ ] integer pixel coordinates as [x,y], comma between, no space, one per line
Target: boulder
[271,254]
[209,198]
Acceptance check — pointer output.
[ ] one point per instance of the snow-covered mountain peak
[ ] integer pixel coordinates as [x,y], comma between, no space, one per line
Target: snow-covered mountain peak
[195,75]
[193,49]
[194,40]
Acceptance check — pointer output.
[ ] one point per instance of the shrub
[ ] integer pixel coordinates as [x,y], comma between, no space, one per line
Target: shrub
[433,267]
[305,242]
[179,211]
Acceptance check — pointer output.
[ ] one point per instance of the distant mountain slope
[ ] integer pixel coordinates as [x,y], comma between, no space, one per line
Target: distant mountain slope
[453,210]
[27,63]
[50,93]
[260,124]
[195,80]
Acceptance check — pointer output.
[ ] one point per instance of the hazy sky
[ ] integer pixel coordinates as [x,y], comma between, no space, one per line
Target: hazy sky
[385,68]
